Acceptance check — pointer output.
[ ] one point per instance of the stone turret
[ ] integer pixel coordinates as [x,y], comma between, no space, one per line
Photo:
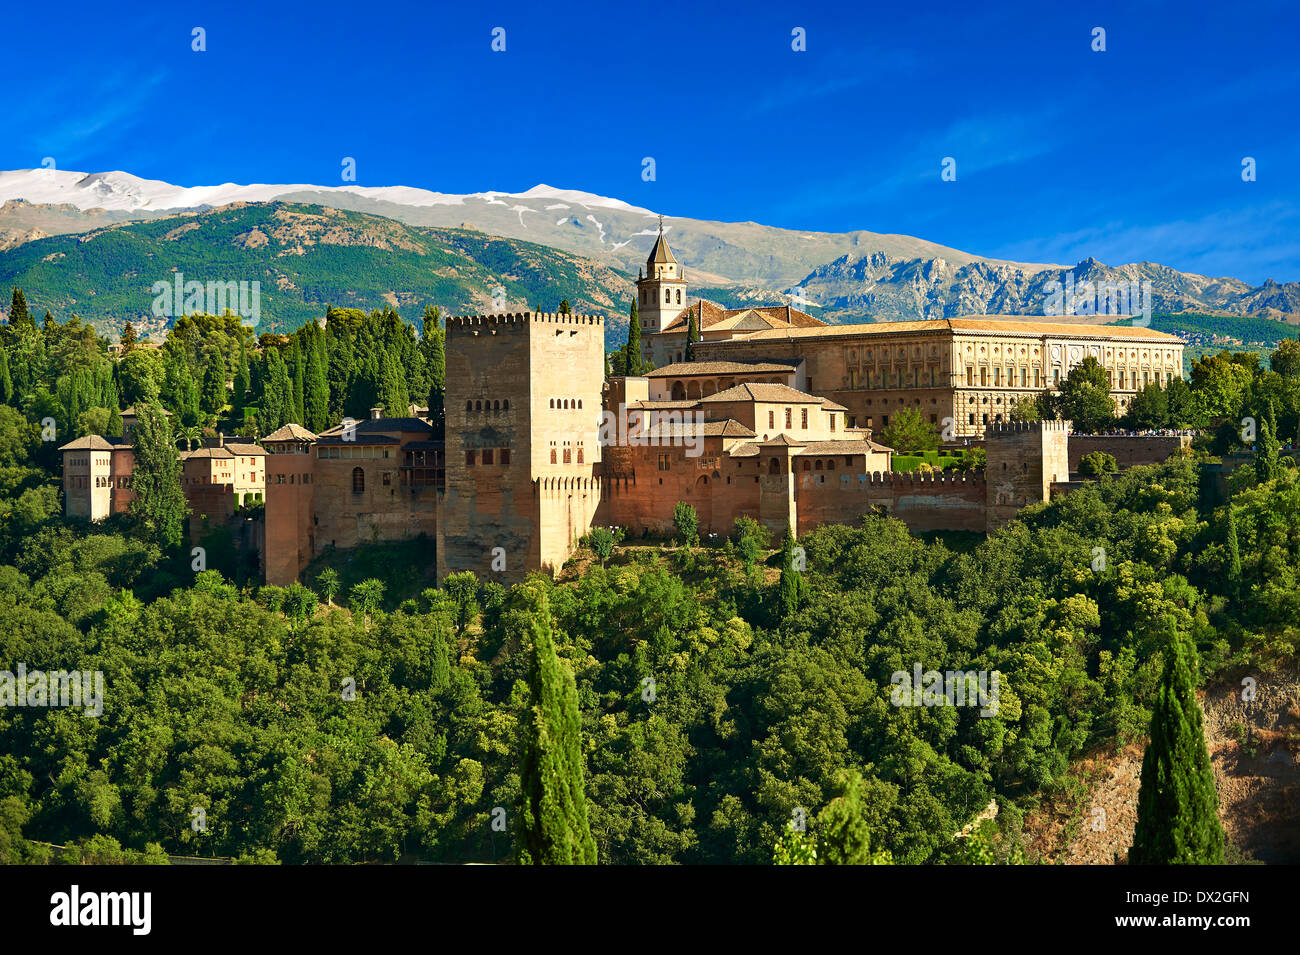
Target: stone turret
[661,291]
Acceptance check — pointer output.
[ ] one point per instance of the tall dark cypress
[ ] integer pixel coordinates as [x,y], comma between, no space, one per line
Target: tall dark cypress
[633,365]
[554,829]
[1178,817]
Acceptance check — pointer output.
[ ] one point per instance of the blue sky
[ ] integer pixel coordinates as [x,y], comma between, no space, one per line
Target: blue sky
[1130,154]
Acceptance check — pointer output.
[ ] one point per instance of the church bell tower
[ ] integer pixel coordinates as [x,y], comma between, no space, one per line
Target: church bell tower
[661,292]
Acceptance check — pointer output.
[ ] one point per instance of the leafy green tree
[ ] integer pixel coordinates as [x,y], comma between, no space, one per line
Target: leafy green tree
[1095,463]
[555,829]
[366,598]
[603,540]
[687,524]
[328,583]
[844,837]
[1085,397]
[19,438]
[565,308]
[1038,407]
[159,504]
[1178,819]
[1285,359]
[751,538]
[462,589]
[1149,409]
[909,431]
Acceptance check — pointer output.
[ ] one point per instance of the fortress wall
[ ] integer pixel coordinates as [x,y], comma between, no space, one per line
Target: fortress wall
[924,502]
[1128,450]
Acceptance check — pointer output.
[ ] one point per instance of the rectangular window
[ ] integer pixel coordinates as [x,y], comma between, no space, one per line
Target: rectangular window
[580,455]
[984,376]
[505,455]
[803,418]
[469,459]
[832,421]
[664,464]
[487,455]
[568,456]
[789,418]
[771,419]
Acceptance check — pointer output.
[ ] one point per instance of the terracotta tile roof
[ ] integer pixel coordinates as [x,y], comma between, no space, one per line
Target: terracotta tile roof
[291,432]
[206,453]
[92,442]
[972,324]
[712,314]
[684,369]
[723,428]
[849,446]
[782,440]
[664,405]
[832,406]
[249,450]
[763,391]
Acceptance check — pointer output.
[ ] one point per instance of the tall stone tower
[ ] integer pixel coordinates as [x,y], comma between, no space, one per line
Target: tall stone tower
[661,292]
[523,407]
[1024,459]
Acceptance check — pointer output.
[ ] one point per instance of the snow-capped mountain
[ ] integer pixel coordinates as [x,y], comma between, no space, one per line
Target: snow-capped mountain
[849,276]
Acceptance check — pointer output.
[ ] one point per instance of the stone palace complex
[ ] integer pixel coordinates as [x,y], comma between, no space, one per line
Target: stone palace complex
[773,418]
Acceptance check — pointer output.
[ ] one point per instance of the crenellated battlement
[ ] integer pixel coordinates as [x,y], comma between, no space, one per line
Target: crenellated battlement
[521,320]
[879,479]
[1023,427]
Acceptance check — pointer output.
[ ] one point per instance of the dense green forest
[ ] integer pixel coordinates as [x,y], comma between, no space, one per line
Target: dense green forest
[305,258]
[722,692]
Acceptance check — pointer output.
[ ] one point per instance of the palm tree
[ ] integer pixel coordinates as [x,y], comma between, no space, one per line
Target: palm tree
[190,434]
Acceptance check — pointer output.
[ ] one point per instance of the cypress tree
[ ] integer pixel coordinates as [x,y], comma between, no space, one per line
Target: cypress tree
[6,381]
[114,414]
[633,363]
[565,309]
[243,382]
[316,399]
[1266,458]
[434,346]
[159,503]
[20,318]
[692,335]
[392,388]
[845,838]
[1178,819]
[555,830]
[790,583]
[1234,554]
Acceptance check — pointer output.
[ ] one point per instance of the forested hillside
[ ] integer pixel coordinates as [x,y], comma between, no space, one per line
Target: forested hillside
[724,691]
[305,258]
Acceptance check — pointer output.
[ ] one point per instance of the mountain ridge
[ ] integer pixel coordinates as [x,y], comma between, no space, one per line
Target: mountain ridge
[852,276]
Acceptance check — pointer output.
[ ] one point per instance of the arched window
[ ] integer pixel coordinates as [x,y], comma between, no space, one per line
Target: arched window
[496,405]
[478,406]
[579,402]
[358,481]
[774,466]
[505,405]
[552,402]
[552,455]
[469,406]
[679,296]
[668,296]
